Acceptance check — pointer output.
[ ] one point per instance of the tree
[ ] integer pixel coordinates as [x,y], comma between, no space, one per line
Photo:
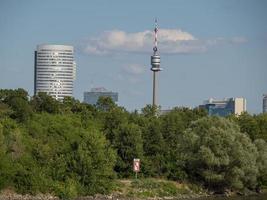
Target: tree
[154,148]
[248,124]
[218,155]
[111,120]
[11,149]
[150,110]
[254,125]
[261,161]
[7,94]
[21,108]
[94,163]
[17,100]
[261,120]
[173,125]
[5,173]
[72,159]
[42,102]
[5,110]
[105,103]
[129,145]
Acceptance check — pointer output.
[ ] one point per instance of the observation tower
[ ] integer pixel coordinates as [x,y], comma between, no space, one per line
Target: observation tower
[155,64]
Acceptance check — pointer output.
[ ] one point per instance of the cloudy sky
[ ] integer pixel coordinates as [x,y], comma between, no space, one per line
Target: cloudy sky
[209,48]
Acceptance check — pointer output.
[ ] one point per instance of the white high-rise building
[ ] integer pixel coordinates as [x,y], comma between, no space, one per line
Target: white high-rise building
[54,70]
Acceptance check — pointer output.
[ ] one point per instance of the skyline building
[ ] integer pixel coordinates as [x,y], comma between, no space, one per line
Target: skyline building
[264,103]
[225,107]
[54,70]
[155,64]
[93,96]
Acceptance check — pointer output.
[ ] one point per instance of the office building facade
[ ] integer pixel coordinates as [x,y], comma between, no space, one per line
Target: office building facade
[264,104]
[54,70]
[225,107]
[93,96]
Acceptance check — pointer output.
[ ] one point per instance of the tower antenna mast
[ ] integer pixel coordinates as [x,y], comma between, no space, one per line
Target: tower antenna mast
[155,63]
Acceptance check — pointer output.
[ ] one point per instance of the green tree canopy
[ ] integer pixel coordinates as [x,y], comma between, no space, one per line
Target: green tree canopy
[105,103]
[42,102]
[129,145]
[216,153]
[17,100]
[69,148]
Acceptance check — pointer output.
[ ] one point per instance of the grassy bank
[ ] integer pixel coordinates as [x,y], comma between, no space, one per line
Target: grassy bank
[138,189]
[156,188]
[150,188]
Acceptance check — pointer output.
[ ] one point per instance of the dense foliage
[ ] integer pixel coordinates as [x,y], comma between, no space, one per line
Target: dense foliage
[70,148]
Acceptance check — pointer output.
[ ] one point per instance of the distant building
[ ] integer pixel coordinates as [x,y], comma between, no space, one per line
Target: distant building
[166,111]
[225,107]
[264,104]
[93,96]
[54,70]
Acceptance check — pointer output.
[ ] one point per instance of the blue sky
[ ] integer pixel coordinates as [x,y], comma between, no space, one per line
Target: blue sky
[209,48]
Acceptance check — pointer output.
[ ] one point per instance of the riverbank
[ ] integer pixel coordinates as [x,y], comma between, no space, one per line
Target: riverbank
[127,189]
[157,189]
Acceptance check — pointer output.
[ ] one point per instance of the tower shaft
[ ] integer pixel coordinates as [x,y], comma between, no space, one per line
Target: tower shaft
[155,64]
[154,103]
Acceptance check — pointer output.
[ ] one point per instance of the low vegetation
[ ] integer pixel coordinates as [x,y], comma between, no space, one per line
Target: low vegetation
[151,187]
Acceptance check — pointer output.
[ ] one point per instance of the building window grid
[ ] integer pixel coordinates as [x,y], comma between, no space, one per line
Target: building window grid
[55,72]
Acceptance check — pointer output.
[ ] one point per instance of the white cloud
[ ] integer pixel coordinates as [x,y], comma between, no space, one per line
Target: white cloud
[238,40]
[131,73]
[134,69]
[171,41]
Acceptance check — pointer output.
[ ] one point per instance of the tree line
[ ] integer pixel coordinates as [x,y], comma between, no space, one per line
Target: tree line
[70,148]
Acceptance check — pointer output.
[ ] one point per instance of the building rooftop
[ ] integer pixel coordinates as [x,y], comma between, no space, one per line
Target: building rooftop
[99,89]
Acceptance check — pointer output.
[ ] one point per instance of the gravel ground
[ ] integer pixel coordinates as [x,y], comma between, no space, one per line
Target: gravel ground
[97,197]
